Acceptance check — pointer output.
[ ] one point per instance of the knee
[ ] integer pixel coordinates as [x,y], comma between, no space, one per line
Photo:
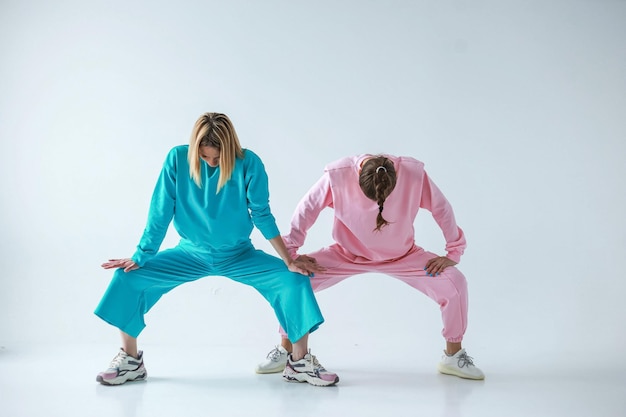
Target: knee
[297,282]
[119,275]
[122,279]
[457,278]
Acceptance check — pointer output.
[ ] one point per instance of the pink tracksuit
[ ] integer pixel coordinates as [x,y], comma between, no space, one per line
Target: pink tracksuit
[392,250]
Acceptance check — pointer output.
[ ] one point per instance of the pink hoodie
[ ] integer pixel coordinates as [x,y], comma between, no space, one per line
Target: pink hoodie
[355,214]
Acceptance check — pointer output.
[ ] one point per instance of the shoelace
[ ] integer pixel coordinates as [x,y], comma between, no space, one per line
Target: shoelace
[274,354]
[465,360]
[117,361]
[316,364]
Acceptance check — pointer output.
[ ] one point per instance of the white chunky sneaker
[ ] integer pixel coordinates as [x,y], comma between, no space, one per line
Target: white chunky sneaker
[459,365]
[123,368]
[308,369]
[275,361]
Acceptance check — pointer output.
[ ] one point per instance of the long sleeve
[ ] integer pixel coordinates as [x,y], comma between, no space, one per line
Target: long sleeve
[307,211]
[161,212]
[257,193]
[433,200]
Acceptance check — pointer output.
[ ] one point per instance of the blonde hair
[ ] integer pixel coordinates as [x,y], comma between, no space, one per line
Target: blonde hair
[215,130]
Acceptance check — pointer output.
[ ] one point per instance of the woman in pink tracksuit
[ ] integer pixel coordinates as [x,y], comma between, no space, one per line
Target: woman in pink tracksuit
[375,201]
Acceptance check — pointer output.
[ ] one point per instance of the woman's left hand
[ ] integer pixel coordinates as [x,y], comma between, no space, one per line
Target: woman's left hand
[436,266]
[305,265]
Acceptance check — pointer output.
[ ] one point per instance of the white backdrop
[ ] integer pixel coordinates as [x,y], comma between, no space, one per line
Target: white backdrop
[517,108]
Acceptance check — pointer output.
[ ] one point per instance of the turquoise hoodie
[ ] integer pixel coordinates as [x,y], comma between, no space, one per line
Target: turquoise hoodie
[206,221]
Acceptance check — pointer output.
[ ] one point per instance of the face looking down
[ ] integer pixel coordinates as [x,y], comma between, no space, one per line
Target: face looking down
[211,155]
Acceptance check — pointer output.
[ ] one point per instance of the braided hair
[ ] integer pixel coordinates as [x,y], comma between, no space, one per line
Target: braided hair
[377,180]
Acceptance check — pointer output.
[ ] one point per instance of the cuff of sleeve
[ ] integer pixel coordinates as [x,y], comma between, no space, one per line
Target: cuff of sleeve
[454,256]
[140,257]
[291,249]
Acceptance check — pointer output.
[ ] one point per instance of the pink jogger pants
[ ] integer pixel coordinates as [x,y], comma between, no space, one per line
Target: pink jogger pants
[449,289]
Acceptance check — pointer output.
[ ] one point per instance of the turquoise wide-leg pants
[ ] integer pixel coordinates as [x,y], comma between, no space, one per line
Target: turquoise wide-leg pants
[130,295]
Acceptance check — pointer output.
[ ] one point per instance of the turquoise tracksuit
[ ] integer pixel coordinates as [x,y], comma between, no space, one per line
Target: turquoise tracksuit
[215,240]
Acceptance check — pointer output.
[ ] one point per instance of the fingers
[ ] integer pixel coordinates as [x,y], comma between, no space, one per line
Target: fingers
[315,267]
[308,264]
[435,266]
[305,272]
[295,268]
[308,268]
[432,267]
[127,264]
[431,270]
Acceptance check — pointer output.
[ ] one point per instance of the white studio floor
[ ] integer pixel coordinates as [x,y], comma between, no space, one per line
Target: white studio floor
[60,381]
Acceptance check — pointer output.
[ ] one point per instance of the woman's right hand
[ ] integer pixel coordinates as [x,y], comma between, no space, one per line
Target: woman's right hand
[126,263]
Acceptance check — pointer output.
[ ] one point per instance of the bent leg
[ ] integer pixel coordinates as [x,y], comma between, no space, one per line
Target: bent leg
[339,265]
[289,293]
[449,290]
[130,295]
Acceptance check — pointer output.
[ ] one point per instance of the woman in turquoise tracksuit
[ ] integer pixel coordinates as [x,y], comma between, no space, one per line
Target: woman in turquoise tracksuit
[215,192]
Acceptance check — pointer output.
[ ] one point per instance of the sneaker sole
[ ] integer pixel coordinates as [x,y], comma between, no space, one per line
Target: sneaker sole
[269,371]
[121,380]
[451,371]
[301,377]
